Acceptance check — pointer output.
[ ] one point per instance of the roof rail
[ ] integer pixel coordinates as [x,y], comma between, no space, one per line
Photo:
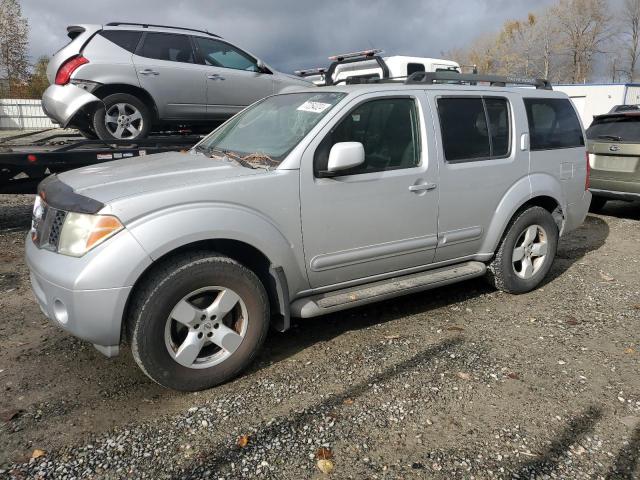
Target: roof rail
[473,79]
[363,53]
[147,25]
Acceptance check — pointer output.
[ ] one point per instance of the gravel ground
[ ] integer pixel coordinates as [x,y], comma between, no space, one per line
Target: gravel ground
[458,382]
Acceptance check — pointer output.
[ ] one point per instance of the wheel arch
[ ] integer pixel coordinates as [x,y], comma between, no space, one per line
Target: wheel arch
[109,89]
[271,276]
[535,190]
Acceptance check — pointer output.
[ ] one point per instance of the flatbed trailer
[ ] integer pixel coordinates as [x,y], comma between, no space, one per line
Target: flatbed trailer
[27,158]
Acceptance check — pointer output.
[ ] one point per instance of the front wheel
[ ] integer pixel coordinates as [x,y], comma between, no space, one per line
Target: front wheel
[122,117]
[526,252]
[198,321]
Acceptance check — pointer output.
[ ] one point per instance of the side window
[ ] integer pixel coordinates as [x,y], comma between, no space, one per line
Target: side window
[387,128]
[167,46]
[414,67]
[123,38]
[221,54]
[499,125]
[553,124]
[474,128]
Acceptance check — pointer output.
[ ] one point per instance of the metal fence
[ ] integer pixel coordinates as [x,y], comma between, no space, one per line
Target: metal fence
[22,114]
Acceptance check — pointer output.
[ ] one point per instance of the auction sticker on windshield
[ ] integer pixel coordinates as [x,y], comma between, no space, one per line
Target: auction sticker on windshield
[313,107]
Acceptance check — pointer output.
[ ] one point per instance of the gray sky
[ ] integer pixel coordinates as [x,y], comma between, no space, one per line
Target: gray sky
[291,34]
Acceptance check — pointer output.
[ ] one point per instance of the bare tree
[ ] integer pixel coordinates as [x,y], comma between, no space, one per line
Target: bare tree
[584,30]
[630,22]
[14,38]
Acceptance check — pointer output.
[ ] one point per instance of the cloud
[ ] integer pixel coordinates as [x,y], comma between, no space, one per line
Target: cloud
[291,34]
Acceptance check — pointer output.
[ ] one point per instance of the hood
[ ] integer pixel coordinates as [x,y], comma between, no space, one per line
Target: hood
[164,171]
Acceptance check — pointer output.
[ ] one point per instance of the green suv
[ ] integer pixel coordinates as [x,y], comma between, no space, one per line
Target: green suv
[614,155]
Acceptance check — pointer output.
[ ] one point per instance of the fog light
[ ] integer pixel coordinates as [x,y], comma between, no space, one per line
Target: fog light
[60,312]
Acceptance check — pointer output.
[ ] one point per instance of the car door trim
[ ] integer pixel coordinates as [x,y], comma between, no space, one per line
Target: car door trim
[372,253]
[462,235]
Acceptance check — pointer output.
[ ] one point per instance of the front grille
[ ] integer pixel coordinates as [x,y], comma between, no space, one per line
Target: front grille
[49,227]
[56,228]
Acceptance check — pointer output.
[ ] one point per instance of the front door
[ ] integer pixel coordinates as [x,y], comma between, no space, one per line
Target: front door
[234,79]
[379,217]
[166,67]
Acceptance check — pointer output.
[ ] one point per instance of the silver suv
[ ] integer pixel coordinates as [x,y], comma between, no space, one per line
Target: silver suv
[306,203]
[119,80]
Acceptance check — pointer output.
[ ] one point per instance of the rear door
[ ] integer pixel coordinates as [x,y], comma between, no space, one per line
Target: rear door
[614,148]
[232,76]
[557,146]
[480,163]
[166,67]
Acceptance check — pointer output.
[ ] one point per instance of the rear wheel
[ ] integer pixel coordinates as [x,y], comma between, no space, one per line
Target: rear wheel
[122,117]
[526,252]
[198,321]
[597,204]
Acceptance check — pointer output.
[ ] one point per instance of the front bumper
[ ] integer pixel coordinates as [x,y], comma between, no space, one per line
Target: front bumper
[87,296]
[62,102]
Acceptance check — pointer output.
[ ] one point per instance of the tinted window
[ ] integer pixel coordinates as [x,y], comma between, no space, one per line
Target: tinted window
[553,123]
[465,135]
[414,67]
[167,46]
[220,54]
[388,130]
[619,128]
[499,125]
[123,38]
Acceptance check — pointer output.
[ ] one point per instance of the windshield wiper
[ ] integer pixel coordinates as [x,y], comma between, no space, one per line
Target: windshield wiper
[615,138]
[201,149]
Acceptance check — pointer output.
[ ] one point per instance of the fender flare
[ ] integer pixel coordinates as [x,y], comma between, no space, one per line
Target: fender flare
[523,191]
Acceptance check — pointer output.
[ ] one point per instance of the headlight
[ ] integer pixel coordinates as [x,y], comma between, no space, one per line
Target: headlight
[81,232]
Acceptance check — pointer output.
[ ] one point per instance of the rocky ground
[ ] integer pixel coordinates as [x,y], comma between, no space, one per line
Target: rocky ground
[459,382]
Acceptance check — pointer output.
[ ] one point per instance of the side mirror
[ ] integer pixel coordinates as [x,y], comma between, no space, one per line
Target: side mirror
[344,155]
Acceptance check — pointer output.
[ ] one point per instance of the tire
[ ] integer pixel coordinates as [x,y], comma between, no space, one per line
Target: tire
[131,118]
[163,347]
[87,133]
[597,204]
[509,275]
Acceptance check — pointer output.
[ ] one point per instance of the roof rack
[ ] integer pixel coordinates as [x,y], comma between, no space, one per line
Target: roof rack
[472,79]
[310,71]
[147,25]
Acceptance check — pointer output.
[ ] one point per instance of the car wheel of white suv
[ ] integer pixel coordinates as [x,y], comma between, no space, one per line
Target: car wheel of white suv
[122,117]
[198,320]
[526,252]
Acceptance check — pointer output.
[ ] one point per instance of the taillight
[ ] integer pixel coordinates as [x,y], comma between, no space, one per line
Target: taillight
[67,68]
[587,181]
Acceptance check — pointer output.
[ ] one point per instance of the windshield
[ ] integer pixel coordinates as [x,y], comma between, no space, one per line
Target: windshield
[264,134]
[616,128]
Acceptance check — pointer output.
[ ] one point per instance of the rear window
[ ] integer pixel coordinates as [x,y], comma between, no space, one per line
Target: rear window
[553,124]
[621,128]
[126,39]
[167,46]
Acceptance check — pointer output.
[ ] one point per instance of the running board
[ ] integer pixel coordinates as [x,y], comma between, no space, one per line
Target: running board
[394,287]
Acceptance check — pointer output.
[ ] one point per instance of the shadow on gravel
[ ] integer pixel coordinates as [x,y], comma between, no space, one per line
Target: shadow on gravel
[575,245]
[221,455]
[548,460]
[308,332]
[620,209]
[627,460]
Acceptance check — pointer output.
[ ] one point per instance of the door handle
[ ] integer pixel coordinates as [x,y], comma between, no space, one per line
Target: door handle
[148,71]
[215,76]
[422,187]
